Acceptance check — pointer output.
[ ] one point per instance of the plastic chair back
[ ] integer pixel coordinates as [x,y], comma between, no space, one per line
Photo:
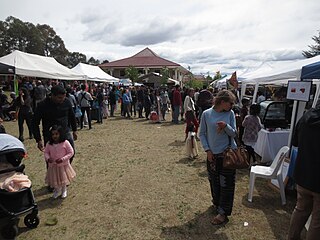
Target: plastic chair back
[276,165]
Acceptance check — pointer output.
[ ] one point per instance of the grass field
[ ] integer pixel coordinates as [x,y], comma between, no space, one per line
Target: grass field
[135,182]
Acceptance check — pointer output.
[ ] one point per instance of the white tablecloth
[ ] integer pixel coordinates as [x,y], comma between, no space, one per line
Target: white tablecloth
[269,143]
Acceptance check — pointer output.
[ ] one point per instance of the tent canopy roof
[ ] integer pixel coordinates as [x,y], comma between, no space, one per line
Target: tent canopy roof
[33,65]
[94,73]
[311,71]
[6,69]
[282,72]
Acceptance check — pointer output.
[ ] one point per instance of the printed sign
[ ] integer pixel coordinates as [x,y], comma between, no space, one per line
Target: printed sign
[299,90]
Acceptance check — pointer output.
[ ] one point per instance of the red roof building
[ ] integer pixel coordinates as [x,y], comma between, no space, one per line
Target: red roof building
[146,61]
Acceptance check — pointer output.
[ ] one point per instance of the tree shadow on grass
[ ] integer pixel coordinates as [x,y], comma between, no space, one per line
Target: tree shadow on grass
[199,228]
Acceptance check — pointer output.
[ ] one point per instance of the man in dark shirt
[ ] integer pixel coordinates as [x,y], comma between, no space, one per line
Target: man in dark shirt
[140,100]
[112,101]
[54,110]
[307,176]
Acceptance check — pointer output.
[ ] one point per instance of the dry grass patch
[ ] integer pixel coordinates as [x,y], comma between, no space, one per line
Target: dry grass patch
[134,182]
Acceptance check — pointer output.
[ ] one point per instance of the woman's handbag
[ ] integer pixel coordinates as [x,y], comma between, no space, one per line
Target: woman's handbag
[235,158]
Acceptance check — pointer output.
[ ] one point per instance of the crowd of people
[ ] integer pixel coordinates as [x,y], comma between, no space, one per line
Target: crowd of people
[64,109]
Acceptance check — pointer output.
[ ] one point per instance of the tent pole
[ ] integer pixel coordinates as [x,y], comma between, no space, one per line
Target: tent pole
[254,99]
[316,95]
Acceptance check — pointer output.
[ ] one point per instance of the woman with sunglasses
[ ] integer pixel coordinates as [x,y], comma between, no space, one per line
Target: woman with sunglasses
[217,132]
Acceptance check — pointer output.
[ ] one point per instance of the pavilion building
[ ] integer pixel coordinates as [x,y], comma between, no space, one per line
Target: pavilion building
[146,62]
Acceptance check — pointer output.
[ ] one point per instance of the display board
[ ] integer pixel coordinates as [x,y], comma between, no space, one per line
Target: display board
[299,90]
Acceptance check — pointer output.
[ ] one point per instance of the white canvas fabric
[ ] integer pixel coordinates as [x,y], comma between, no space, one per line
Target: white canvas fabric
[33,65]
[94,73]
[281,72]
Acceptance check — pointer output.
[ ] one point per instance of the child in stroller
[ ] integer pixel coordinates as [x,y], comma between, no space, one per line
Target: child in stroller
[16,197]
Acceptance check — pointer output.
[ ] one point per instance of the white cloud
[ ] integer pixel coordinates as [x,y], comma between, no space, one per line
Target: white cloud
[208,35]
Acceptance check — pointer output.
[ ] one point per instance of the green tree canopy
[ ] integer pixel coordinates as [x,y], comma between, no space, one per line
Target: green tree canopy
[217,75]
[41,39]
[314,49]
[74,58]
[132,73]
[53,45]
[164,75]
[193,83]
[18,35]
[93,61]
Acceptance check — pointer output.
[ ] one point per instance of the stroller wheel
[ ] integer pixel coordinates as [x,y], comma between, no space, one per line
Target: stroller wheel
[10,231]
[31,220]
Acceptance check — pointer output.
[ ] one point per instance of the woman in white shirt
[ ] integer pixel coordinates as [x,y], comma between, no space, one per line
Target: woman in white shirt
[190,114]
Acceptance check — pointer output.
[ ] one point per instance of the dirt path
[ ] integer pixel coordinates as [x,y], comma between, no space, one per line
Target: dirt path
[134,182]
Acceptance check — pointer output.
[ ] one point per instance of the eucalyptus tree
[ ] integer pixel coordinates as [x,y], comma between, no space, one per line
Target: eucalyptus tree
[314,49]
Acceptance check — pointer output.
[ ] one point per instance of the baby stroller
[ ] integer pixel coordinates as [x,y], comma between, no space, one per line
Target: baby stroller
[13,204]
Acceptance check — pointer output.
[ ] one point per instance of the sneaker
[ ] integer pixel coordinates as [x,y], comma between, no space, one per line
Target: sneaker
[64,193]
[56,193]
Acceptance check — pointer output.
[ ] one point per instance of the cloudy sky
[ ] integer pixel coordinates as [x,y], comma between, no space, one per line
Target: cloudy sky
[207,35]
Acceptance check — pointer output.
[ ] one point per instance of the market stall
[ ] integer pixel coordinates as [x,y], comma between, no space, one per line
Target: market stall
[94,73]
[269,143]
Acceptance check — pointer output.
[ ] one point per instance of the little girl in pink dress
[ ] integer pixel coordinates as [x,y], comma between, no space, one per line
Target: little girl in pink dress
[57,153]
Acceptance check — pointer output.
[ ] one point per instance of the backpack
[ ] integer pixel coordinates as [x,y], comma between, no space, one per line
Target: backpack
[83,96]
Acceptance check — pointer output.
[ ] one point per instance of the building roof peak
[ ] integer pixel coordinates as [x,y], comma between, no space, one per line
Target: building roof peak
[147,52]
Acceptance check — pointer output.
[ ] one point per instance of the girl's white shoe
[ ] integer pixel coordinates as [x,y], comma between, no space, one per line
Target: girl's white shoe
[64,192]
[56,193]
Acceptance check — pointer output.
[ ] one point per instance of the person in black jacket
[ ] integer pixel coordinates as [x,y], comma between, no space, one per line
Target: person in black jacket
[140,100]
[307,176]
[112,101]
[24,110]
[54,110]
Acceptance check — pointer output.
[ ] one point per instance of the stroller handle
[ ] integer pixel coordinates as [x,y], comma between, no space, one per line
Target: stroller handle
[16,169]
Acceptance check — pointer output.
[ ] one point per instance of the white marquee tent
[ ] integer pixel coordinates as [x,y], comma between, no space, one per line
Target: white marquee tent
[94,73]
[281,72]
[33,65]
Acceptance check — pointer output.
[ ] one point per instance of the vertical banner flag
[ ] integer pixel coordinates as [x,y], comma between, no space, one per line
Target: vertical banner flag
[233,81]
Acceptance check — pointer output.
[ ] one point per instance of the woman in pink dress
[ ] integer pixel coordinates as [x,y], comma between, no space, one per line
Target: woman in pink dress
[57,153]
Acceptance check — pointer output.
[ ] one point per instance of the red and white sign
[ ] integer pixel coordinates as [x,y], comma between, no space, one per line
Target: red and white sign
[299,90]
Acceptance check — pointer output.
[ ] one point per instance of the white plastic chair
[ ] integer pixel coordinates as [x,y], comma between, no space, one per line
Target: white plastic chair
[272,172]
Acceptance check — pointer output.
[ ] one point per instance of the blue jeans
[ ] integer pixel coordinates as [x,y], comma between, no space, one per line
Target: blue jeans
[176,112]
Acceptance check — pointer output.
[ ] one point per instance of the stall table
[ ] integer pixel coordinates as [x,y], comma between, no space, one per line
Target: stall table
[269,143]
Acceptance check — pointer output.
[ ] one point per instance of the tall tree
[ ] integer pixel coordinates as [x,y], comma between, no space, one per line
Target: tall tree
[105,61]
[314,49]
[217,75]
[93,61]
[53,45]
[40,39]
[132,73]
[74,58]
[18,35]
